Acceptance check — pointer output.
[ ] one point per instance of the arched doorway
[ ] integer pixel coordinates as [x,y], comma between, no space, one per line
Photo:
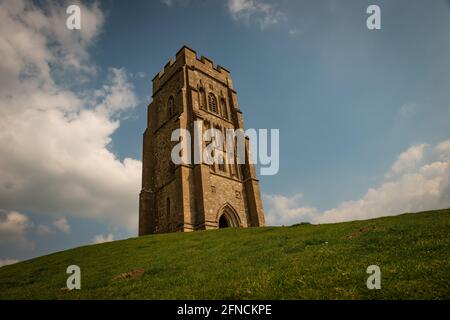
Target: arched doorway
[223,223]
[227,217]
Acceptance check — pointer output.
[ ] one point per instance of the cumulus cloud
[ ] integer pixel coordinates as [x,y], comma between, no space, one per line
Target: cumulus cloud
[5,262]
[62,225]
[116,96]
[442,150]
[419,180]
[13,229]
[140,74]
[103,238]
[43,230]
[287,210]
[262,13]
[407,161]
[53,137]
[259,12]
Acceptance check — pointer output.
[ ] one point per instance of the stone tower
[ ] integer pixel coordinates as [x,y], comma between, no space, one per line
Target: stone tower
[194,196]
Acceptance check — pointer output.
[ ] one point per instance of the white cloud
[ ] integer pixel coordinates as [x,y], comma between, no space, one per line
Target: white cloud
[140,74]
[13,229]
[62,225]
[5,262]
[262,13]
[116,96]
[407,161]
[43,230]
[442,150]
[287,210]
[413,187]
[53,138]
[27,31]
[259,12]
[103,238]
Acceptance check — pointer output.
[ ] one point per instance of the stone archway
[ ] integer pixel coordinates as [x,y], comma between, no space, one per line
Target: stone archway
[223,222]
[228,217]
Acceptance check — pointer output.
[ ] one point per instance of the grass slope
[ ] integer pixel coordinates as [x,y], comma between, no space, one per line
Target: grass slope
[298,262]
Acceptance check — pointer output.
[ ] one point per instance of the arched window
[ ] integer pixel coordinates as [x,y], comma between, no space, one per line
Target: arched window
[223,106]
[171,107]
[212,102]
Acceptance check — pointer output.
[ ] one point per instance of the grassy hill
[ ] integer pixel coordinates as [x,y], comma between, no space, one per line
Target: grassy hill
[299,262]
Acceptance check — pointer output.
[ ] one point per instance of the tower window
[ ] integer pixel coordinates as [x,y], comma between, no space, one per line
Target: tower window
[212,102]
[202,98]
[223,106]
[168,207]
[221,158]
[171,106]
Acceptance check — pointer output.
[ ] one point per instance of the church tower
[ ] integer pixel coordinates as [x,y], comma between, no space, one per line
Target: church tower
[189,197]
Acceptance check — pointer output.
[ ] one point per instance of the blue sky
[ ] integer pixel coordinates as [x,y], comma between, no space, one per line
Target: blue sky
[357,109]
[335,89]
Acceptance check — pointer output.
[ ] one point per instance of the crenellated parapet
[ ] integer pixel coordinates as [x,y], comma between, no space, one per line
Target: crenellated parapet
[188,57]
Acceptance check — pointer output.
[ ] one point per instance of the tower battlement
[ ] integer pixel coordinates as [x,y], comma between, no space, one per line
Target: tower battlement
[187,56]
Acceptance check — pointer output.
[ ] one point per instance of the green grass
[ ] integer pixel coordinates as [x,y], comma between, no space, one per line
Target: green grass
[299,262]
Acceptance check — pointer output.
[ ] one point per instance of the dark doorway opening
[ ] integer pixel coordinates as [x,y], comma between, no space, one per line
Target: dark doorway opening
[223,223]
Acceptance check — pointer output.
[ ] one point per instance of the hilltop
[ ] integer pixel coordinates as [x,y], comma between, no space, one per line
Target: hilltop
[299,262]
